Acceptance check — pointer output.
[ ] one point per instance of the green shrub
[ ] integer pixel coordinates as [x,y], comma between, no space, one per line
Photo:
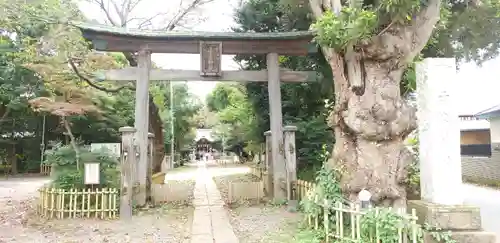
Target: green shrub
[66,175]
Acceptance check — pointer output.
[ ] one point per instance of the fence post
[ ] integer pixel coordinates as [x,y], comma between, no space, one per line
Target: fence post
[127,161]
[291,164]
[269,165]
[149,171]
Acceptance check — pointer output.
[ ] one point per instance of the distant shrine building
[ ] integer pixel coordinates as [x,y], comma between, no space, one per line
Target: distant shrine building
[204,142]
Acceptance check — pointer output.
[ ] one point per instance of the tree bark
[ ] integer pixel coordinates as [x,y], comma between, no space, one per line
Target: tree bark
[156,127]
[370,130]
[370,118]
[72,140]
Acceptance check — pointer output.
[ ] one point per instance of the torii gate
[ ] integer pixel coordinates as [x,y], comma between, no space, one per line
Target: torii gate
[211,46]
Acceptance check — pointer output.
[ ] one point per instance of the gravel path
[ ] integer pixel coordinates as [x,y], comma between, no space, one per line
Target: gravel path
[488,200]
[264,223]
[255,222]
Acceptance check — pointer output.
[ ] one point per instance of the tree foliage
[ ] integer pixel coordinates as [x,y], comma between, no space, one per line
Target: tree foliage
[45,60]
[236,117]
[304,105]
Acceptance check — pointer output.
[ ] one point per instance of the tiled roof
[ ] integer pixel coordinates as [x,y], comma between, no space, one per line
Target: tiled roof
[204,133]
[490,112]
[192,35]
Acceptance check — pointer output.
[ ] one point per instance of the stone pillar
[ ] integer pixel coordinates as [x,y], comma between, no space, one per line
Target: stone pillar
[439,132]
[142,120]
[149,175]
[127,162]
[165,164]
[440,163]
[269,165]
[276,120]
[291,163]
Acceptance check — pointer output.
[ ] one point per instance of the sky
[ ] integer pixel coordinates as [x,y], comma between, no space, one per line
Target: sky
[478,88]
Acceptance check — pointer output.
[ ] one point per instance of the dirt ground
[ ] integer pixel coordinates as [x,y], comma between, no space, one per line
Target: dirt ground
[255,222]
[164,224]
[264,224]
[170,223]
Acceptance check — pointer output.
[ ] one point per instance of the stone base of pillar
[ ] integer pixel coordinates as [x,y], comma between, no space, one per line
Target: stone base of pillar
[463,221]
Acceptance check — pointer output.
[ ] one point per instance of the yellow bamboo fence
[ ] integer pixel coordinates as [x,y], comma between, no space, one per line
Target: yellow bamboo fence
[303,188]
[78,203]
[344,223]
[45,169]
[347,219]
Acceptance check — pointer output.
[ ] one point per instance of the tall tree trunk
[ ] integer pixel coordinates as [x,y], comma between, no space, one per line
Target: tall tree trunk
[370,130]
[370,119]
[156,127]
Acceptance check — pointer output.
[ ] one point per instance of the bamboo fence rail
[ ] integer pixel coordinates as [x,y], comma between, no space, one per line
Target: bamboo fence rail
[347,224]
[348,218]
[78,203]
[45,169]
[303,188]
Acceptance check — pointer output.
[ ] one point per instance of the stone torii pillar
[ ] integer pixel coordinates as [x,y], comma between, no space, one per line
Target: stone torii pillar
[149,176]
[440,162]
[142,122]
[127,171]
[290,160]
[276,118]
[269,165]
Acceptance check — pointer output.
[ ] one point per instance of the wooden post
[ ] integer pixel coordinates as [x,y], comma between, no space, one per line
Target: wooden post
[149,176]
[269,164]
[279,170]
[291,160]
[127,160]
[142,121]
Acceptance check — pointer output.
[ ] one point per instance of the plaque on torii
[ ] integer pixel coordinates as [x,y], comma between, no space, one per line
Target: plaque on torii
[211,56]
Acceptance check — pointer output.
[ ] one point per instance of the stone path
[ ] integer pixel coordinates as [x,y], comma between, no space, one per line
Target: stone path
[210,221]
[488,200]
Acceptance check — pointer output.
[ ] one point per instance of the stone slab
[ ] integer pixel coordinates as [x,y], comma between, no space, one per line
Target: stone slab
[203,238]
[222,228]
[458,217]
[201,221]
[466,237]
[246,190]
[210,219]
[170,193]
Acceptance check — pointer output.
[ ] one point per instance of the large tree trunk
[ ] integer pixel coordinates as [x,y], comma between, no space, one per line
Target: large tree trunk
[370,118]
[370,130]
[156,127]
